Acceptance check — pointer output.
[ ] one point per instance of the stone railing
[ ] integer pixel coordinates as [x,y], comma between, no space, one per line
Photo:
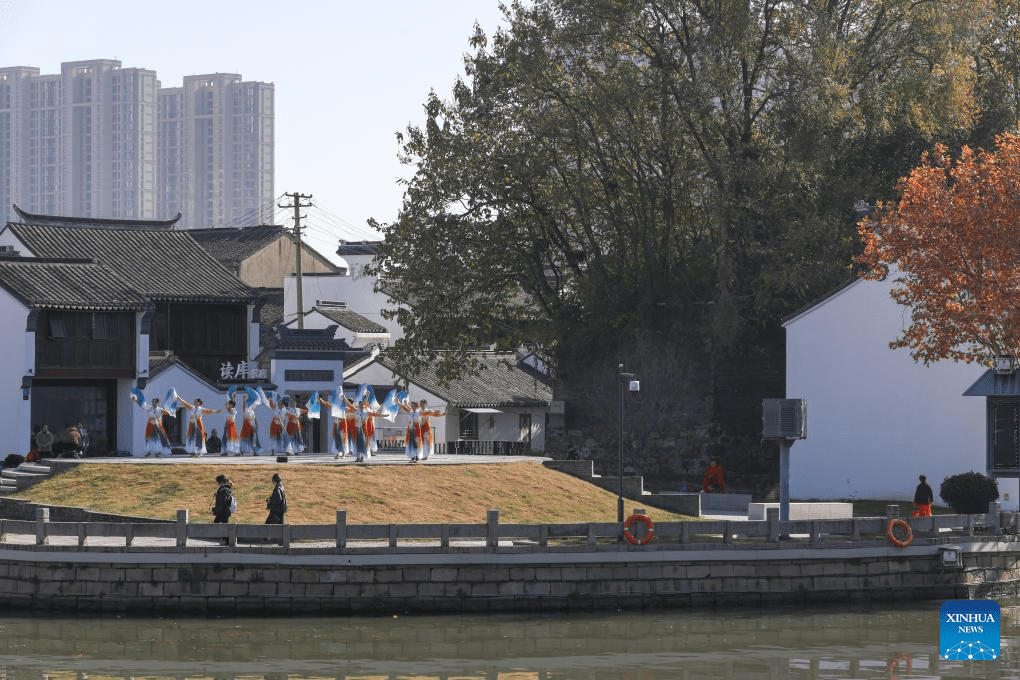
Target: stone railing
[496,536]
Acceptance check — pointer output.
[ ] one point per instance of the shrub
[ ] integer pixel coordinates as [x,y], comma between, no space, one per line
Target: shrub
[969,493]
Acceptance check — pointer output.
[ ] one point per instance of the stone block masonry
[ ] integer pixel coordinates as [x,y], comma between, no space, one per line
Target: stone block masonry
[213,582]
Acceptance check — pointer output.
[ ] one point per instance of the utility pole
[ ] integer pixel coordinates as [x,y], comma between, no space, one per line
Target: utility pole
[296,204]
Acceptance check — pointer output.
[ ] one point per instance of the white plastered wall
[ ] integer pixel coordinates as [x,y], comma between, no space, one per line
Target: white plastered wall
[877,419]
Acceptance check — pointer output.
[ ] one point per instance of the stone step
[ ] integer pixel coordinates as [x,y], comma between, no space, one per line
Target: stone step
[37,468]
[23,480]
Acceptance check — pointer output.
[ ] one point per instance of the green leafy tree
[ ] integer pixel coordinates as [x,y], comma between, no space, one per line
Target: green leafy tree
[969,493]
[678,172]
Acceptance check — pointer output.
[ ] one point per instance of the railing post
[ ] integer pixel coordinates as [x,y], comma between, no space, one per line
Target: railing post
[993,518]
[129,534]
[393,535]
[232,535]
[685,532]
[444,536]
[341,529]
[42,516]
[492,529]
[182,528]
[81,533]
[772,517]
[285,536]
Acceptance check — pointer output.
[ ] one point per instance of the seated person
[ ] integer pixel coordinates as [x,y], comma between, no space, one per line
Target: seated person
[714,481]
[213,443]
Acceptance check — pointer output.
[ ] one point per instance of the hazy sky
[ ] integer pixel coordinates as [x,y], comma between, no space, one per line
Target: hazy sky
[348,75]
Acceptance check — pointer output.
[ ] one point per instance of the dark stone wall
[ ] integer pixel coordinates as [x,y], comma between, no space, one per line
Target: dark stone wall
[696,404]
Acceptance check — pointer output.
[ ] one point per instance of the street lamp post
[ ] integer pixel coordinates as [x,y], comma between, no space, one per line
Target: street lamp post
[630,381]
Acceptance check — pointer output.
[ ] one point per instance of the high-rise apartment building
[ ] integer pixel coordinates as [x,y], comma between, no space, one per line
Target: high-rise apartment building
[99,140]
[216,150]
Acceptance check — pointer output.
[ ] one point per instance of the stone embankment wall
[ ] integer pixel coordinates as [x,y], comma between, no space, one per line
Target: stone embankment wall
[206,581]
[11,508]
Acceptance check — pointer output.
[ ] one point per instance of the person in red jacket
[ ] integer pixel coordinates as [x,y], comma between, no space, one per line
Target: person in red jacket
[714,481]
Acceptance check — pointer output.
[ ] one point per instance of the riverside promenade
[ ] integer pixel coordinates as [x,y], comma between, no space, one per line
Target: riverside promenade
[485,565]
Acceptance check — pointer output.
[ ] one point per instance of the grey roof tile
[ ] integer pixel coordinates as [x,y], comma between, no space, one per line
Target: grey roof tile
[501,382]
[164,265]
[69,285]
[79,222]
[359,248]
[349,319]
[234,245]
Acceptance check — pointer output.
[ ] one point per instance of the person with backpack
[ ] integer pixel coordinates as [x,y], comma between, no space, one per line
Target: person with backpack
[277,502]
[226,504]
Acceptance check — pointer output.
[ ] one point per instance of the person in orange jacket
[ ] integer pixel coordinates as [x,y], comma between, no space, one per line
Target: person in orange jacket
[714,481]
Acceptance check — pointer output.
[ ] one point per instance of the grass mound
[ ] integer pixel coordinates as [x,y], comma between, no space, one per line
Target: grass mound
[524,493]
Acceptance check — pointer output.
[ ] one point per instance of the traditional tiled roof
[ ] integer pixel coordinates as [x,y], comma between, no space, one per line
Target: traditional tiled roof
[69,285]
[231,246]
[320,339]
[350,320]
[358,248]
[164,265]
[235,245]
[79,222]
[501,382]
[271,308]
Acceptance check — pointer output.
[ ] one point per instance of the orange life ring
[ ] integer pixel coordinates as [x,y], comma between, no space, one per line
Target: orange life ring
[649,529]
[891,533]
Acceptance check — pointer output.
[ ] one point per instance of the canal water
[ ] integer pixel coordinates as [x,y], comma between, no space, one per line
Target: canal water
[877,642]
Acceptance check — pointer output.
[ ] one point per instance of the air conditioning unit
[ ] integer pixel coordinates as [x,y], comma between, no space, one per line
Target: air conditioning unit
[784,418]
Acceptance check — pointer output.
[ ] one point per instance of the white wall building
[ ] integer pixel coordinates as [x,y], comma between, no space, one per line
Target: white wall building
[353,289]
[875,418]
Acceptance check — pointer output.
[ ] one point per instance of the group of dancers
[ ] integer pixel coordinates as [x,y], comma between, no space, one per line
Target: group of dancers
[353,432]
[354,423]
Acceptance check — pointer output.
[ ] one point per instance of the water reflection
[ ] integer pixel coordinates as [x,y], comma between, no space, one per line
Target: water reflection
[875,643]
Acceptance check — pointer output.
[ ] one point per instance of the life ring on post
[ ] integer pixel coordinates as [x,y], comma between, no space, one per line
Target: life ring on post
[649,529]
[890,532]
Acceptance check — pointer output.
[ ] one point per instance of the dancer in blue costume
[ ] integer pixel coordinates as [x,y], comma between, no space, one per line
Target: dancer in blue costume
[428,444]
[157,443]
[194,443]
[364,440]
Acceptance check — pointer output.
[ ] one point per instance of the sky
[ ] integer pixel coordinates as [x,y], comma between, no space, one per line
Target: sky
[348,76]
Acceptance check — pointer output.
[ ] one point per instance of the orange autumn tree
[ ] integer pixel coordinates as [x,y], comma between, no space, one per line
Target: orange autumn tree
[953,241]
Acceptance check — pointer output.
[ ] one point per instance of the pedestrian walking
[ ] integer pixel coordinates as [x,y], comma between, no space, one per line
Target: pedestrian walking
[923,498]
[224,505]
[277,502]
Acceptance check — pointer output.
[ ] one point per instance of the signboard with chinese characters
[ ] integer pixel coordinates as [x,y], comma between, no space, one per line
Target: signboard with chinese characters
[243,370]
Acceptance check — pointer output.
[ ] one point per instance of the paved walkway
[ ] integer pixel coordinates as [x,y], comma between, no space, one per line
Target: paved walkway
[381,458]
